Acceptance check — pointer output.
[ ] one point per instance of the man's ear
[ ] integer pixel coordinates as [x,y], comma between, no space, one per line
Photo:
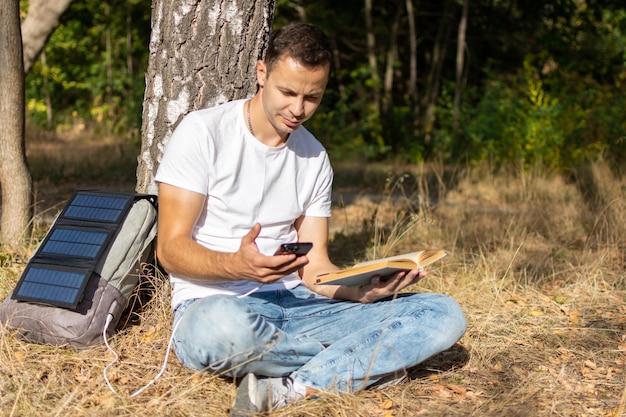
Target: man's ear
[261,73]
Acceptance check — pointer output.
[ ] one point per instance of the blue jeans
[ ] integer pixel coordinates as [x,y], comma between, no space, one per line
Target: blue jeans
[326,344]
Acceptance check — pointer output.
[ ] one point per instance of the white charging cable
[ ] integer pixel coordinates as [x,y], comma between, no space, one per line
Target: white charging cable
[116,358]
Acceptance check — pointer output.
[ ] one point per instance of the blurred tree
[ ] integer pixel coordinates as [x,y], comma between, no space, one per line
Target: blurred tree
[396,89]
[460,63]
[14,174]
[41,20]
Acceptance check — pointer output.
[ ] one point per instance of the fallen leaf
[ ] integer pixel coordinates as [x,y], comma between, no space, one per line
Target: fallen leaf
[441,391]
[20,356]
[519,371]
[456,388]
[386,405]
[574,317]
[148,336]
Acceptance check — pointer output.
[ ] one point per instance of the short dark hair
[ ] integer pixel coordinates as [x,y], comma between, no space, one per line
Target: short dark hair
[301,41]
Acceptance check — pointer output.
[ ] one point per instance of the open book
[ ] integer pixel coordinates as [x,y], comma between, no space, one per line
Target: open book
[363,272]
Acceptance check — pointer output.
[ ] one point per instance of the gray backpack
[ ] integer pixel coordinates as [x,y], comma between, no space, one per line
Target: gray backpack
[82,312]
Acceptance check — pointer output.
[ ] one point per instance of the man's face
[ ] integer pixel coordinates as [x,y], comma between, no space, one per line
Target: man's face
[291,93]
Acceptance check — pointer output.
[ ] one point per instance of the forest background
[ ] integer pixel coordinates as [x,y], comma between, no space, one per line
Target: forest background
[512,161]
[541,81]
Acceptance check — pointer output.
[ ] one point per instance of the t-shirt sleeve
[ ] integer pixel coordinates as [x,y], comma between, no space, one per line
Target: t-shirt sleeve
[322,198]
[187,157]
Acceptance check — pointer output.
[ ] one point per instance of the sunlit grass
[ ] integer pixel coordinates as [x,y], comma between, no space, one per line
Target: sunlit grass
[538,263]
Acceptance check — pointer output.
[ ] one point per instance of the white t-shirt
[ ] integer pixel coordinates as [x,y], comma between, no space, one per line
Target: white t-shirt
[212,152]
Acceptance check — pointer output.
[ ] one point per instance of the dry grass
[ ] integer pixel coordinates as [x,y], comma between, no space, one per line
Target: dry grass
[538,263]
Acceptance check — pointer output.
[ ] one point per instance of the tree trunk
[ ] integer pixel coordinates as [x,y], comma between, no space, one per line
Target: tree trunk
[460,63]
[46,90]
[390,130]
[371,56]
[41,20]
[391,58]
[412,87]
[14,174]
[433,81]
[202,54]
[108,98]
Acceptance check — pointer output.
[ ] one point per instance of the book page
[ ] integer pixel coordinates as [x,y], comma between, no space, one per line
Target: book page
[429,256]
[362,273]
[413,257]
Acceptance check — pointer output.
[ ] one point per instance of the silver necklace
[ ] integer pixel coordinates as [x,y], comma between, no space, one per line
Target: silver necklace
[248,117]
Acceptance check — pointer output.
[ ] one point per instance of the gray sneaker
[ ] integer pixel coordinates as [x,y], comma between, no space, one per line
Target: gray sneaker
[256,395]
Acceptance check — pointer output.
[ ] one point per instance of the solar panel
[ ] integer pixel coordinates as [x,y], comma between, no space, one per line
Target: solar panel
[93,207]
[59,271]
[75,242]
[60,286]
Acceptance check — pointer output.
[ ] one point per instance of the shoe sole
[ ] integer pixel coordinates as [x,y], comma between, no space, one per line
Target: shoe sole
[242,406]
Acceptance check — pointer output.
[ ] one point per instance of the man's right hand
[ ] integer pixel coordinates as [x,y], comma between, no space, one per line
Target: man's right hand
[249,263]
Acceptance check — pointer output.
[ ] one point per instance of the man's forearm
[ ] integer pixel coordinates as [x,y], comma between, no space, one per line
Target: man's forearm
[183,256]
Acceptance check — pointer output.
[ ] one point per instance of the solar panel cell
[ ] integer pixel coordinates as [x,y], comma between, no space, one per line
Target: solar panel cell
[53,285]
[72,242]
[96,208]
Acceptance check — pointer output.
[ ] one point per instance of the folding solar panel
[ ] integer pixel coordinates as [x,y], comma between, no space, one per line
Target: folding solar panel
[62,265]
[60,286]
[97,208]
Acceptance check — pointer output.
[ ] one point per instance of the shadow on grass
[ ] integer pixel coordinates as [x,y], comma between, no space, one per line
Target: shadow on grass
[455,357]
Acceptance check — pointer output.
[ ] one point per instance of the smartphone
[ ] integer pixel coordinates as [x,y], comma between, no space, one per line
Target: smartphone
[297,248]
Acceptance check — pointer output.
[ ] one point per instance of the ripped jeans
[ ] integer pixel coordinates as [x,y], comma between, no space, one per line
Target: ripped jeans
[326,344]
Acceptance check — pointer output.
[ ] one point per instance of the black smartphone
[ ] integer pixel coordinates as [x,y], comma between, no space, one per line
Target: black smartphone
[298,248]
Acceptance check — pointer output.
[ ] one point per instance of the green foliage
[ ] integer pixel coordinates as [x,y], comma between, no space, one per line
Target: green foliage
[558,120]
[94,67]
[545,81]
[516,123]
[560,107]
[350,128]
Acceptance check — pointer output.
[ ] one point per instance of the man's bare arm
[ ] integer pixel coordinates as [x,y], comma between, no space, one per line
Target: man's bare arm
[179,211]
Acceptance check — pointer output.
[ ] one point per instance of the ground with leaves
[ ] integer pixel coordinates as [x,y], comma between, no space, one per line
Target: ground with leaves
[538,263]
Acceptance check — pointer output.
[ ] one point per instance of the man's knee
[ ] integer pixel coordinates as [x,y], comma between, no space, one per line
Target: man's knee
[214,314]
[445,311]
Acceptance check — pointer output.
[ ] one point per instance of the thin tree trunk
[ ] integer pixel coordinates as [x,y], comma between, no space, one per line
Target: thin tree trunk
[299,8]
[341,88]
[390,131]
[109,59]
[412,87]
[46,90]
[40,21]
[201,55]
[129,43]
[14,174]
[392,55]
[460,64]
[433,82]
[371,55]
